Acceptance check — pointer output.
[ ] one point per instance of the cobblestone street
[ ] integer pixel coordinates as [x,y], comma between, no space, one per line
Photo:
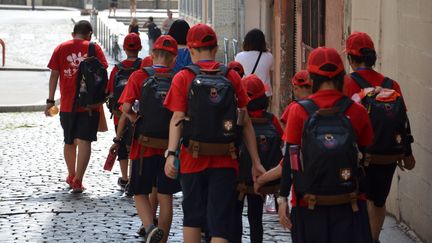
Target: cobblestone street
[35,204]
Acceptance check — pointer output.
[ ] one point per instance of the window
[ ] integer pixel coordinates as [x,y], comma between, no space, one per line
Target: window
[313,22]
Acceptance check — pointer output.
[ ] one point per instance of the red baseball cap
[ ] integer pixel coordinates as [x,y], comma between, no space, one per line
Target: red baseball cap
[356,41]
[254,86]
[166,43]
[236,66]
[325,61]
[201,35]
[132,42]
[301,78]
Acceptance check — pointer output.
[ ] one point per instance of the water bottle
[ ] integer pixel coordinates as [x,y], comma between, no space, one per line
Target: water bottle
[109,163]
[269,204]
[54,110]
[135,106]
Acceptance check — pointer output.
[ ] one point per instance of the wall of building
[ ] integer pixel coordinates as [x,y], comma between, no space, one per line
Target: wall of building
[101,4]
[334,24]
[402,36]
[14,2]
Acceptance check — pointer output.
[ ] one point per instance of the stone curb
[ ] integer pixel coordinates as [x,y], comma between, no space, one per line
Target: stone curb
[24,69]
[37,8]
[24,108]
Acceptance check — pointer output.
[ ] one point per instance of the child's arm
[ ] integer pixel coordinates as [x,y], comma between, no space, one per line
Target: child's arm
[175,131]
[271,175]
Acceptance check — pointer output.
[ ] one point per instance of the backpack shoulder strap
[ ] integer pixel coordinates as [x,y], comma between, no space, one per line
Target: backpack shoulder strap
[193,68]
[309,105]
[149,70]
[387,83]
[344,103]
[91,50]
[224,70]
[359,80]
[119,66]
[137,63]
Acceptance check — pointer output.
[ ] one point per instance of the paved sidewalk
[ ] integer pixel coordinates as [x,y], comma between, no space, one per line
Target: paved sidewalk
[35,204]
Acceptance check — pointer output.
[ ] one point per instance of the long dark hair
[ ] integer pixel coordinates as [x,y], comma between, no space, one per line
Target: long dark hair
[254,41]
[368,57]
[179,30]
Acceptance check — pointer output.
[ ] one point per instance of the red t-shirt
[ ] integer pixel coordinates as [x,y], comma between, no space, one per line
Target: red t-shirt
[177,100]
[131,93]
[326,99]
[373,77]
[66,59]
[284,118]
[110,86]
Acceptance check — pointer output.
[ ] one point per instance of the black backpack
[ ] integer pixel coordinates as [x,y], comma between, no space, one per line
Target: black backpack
[154,117]
[212,107]
[92,80]
[154,32]
[329,151]
[269,149]
[389,120]
[120,80]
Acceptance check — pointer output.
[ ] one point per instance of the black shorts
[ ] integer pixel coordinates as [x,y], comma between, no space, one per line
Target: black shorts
[114,4]
[378,182]
[123,151]
[331,224]
[81,125]
[209,199]
[149,172]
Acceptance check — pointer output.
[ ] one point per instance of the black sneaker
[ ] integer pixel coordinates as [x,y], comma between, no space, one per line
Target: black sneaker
[154,234]
[122,183]
[141,231]
[127,191]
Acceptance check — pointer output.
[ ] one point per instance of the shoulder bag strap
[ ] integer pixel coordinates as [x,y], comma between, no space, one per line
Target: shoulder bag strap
[256,63]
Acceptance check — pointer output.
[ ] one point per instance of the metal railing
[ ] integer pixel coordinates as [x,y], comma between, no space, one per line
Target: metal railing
[2,43]
[226,49]
[106,37]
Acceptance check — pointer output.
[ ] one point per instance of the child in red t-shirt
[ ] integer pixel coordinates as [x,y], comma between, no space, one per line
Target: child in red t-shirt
[148,160]
[302,88]
[132,46]
[270,148]
[379,174]
[318,221]
[80,126]
[208,181]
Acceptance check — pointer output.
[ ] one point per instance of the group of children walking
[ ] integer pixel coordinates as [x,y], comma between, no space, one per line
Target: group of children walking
[205,130]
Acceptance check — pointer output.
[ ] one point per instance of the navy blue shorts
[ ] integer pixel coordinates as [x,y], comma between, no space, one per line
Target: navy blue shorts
[81,125]
[378,181]
[331,224]
[149,172]
[209,200]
